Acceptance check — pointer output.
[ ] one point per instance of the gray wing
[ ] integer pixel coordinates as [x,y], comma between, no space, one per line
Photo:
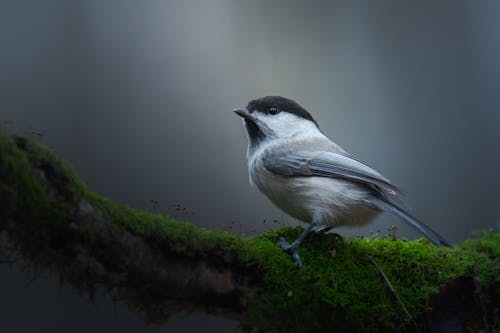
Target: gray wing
[329,164]
[325,164]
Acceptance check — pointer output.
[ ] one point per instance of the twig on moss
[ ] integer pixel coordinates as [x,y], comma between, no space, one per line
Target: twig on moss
[479,293]
[393,291]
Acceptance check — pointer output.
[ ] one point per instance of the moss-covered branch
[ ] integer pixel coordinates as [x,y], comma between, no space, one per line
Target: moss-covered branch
[160,266]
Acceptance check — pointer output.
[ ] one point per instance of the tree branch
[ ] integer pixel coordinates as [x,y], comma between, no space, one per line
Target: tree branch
[159,266]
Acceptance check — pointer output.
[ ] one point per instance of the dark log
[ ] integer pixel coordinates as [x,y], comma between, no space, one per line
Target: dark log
[160,267]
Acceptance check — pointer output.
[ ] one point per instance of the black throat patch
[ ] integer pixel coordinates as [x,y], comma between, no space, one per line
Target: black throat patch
[254,133]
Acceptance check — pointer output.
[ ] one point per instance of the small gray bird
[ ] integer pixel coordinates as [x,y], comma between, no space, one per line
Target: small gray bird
[310,177]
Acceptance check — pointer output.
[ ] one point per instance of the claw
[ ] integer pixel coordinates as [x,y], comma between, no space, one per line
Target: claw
[284,244]
[294,248]
[297,258]
[336,235]
[323,229]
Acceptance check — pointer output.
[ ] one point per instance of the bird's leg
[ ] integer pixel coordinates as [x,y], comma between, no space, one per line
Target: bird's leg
[325,228]
[294,247]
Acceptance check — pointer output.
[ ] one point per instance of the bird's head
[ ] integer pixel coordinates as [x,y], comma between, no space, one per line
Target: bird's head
[276,117]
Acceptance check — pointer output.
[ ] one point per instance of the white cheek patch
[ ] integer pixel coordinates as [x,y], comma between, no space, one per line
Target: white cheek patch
[286,125]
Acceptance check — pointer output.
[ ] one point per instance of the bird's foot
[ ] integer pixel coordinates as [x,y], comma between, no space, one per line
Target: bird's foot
[336,235]
[323,229]
[293,249]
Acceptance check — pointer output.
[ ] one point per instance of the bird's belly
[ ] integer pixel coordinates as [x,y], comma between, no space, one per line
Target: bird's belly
[332,202]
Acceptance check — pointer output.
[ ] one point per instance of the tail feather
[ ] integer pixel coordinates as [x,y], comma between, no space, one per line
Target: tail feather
[433,236]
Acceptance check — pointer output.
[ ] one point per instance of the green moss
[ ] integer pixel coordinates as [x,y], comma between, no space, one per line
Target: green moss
[338,274]
[484,252]
[178,237]
[338,277]
[16,173]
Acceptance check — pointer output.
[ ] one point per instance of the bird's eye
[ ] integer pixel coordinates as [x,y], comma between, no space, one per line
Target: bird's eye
[273,111]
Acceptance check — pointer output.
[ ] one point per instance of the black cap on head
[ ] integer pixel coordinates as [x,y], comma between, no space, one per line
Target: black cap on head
[264,104]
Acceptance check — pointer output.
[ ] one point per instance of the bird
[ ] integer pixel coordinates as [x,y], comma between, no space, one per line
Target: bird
[313,179]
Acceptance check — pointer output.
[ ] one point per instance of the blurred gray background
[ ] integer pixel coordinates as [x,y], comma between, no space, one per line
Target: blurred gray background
[137,95]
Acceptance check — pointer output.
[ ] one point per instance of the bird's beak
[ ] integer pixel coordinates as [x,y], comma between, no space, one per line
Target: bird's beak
[243,112]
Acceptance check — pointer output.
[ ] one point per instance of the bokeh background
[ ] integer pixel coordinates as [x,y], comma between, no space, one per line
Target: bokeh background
[137,95]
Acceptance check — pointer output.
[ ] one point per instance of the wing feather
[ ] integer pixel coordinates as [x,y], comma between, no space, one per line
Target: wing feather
[325,164]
